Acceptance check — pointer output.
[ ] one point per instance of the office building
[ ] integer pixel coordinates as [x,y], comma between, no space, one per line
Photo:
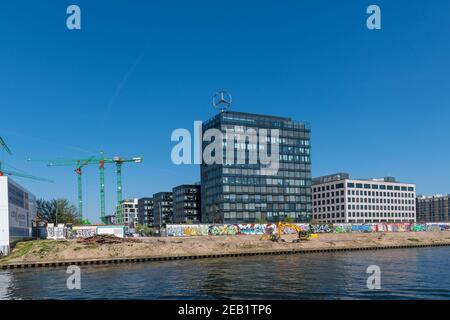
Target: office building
[243,191]
[186,204]
[433,208]
[145,211]
[18,210]
[339,199]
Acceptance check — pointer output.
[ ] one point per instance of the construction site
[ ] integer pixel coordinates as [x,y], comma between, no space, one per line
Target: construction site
[18,206]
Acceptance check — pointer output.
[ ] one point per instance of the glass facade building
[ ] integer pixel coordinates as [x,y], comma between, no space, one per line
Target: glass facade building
[236,192]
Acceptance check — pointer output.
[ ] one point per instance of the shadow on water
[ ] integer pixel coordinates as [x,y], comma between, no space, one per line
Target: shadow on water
[421,273]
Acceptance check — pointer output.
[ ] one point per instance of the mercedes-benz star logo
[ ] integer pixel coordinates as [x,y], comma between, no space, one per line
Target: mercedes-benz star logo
[222,100]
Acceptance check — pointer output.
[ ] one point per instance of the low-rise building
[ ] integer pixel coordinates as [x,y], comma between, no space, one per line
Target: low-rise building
[17,212]
[433,208]
[339,199]
[186,204]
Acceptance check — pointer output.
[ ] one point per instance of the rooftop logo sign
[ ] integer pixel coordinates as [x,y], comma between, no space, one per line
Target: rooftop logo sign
[222,100]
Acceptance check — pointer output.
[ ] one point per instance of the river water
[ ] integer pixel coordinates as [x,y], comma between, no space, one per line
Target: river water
[422,273]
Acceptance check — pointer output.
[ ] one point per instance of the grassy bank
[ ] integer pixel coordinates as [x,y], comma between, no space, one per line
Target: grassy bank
[51,251]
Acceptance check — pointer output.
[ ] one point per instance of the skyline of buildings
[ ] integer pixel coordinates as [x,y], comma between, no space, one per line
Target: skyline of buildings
[243,192]
[336,198]
[240,193]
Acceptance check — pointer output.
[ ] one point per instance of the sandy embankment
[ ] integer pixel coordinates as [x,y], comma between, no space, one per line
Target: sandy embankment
[49,251]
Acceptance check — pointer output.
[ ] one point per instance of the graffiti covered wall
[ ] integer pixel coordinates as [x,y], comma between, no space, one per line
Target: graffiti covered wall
[183,230]
[270,228]
[439,226]
[342,228]
[82,232]
[64,232]
[226,229]
[56,233]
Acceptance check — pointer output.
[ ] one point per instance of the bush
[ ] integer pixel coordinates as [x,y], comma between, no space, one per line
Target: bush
[261,221]
[143,230]
[288,219]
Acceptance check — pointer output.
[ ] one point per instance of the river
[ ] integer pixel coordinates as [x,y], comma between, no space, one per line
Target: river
[422,273]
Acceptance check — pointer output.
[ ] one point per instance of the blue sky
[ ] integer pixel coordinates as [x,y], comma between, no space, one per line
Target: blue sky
[378,101]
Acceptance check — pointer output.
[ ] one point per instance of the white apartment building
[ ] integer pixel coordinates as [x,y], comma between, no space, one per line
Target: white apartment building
[130,212]
[338,199]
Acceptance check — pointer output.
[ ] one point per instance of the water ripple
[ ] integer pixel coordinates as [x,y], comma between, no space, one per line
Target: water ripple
[421,273]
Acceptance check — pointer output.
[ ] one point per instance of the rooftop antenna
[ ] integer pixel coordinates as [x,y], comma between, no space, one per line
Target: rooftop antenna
[222,100]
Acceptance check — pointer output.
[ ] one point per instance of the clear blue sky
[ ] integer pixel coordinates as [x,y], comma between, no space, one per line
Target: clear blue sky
[378,101]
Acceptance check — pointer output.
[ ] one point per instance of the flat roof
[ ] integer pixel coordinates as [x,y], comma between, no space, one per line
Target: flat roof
[254,115]
[340,176]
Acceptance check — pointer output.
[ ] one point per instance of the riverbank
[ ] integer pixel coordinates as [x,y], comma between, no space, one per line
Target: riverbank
[43,252]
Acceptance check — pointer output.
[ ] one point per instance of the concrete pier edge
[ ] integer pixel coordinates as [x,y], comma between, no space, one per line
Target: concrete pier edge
[50,264]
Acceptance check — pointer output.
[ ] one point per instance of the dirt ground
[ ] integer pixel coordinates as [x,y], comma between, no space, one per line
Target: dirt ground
[49,250]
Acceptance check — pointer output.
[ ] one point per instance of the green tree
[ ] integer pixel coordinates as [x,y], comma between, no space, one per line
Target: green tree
[86,222]
[288,219]
[144,230]
[261,221]
[58,211]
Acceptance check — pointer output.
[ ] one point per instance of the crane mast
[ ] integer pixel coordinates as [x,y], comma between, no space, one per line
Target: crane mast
[80,163]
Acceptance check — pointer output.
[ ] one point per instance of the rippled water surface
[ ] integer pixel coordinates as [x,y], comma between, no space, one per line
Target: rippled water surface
[422,273]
